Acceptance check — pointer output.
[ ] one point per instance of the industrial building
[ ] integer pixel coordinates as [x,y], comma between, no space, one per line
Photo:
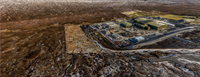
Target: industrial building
[147,28]
[139,39]
[157,26]
[94,26]
[142,23]
[139,19]
[123,32]
[126,34]
[142,26]
[105,32]
[115,36]
[158,18]
[142,20]
[181,21]
[126,24]
[146,22]
[169,24]
[112,25]
[166,23]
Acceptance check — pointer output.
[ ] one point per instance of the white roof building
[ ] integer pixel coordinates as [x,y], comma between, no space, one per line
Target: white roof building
[166,23]
[139,38]
[112,25]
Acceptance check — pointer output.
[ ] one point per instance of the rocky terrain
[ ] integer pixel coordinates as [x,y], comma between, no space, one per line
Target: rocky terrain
[40,13]
[38,41]
[52,51]
[193,36]
[172,43]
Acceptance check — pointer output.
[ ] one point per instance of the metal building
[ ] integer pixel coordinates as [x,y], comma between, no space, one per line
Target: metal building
[139,39]
[112,25]
[157,26]
[126,24]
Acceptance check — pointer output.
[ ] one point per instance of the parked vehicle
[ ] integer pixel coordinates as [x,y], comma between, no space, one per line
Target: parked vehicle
[134,41]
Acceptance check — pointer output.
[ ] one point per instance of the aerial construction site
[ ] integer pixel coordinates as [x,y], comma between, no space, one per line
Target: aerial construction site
[136,32]
[100,38]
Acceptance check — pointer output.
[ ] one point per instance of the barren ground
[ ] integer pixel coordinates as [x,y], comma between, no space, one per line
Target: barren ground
[36,14]
[33,45]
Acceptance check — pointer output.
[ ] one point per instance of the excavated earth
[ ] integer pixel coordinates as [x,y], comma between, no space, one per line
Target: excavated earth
[33,45]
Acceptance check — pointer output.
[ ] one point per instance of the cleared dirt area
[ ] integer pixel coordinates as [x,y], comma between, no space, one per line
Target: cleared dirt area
[78,42]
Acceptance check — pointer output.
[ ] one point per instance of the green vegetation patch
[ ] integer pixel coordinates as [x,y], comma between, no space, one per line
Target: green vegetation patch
[136,13]
[197,21]
[174,17]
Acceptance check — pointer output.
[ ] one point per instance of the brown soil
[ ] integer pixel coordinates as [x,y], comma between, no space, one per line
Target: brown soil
[51,13]
[191,34]
[170,43]
[61,9]
[43,53]
[35,23]
[42,14]
[77,41]
[174,43]
[20,51]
